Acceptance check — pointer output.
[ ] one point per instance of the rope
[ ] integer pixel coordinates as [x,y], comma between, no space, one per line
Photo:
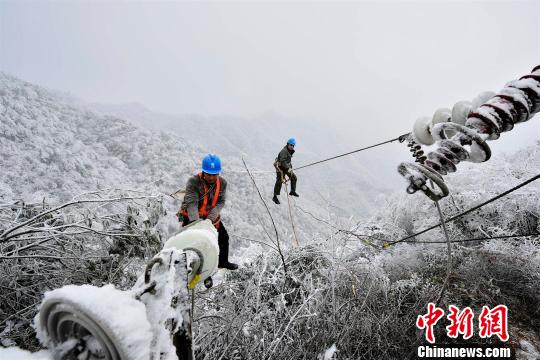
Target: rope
[470,210]
[269,213]
[290,212]
[362,237]
[243,171]
[476,239]
[193,302]
[400,138]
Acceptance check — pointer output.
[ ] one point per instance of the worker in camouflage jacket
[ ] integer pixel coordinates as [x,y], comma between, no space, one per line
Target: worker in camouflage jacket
[284,169]
[204,198]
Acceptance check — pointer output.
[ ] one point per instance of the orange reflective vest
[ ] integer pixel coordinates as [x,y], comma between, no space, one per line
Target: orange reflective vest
[203,213]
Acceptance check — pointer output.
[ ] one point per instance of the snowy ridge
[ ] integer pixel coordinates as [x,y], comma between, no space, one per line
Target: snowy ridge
[260,138]
[54,150]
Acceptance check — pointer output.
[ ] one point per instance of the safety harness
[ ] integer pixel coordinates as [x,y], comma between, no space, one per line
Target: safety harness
[203,213]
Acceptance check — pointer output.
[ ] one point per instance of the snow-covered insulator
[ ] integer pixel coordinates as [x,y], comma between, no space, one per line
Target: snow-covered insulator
[418,177]
[506,113]
[482,98]
[460,111]
[441,116]
[472,123]
[456,143]
[530,84]
[520,100]
[485,120]
[461,140]
[422,126]
[517,102]
[422,131]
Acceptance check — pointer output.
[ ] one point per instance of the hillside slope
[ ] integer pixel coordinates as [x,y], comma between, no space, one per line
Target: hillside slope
[53,150]
[362,177]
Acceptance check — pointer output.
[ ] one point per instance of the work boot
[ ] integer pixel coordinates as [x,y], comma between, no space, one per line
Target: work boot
[228,266]
[276,200]
[208,282]
[293,193]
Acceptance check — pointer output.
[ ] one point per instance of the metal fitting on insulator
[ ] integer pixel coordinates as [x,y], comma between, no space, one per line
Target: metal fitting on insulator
[478,150]
[418,177]
[416,150]
[456,143]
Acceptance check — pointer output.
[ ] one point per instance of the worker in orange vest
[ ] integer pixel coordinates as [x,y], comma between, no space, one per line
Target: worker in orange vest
[205,197]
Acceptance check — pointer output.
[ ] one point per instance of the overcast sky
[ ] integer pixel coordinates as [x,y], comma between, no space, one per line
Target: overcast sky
[367,69]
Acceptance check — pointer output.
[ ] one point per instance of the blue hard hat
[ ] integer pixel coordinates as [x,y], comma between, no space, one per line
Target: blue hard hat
[291,141]
[211,164]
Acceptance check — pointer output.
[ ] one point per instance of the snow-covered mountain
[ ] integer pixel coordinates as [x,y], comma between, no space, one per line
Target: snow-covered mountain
[55,149]
[351,183]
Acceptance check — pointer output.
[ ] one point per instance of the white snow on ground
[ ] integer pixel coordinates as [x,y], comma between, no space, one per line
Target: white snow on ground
[124,316]
[14,353]
[329,354]
[527,351]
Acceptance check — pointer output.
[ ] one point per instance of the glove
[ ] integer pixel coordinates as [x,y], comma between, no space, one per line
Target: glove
[217,222]
[180,216]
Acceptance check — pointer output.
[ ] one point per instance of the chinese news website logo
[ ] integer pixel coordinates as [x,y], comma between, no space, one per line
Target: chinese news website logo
[490,322]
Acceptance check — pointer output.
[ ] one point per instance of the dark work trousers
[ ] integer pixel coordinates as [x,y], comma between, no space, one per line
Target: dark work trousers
[277,187]
[223,242]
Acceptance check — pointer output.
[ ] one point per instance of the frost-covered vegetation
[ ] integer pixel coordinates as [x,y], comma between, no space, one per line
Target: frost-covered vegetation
[350,291]
[54,150]
[342,287]
[53,153]
[97,239]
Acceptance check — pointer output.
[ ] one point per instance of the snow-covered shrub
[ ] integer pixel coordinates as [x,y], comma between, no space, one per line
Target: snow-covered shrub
[365,298]
[99,238]
[367,307]
[261,312]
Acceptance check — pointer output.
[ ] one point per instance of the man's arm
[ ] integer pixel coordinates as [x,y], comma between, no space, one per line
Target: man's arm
[191,199]
[283,159]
